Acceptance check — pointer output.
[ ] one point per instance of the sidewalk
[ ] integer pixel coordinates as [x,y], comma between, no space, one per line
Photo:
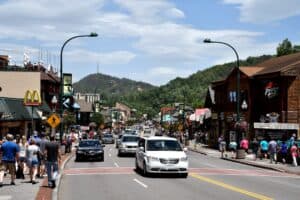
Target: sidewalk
[249,160]
[24,190]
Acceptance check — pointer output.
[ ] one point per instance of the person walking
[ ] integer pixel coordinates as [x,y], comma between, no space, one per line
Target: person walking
[272,149]
[244,144]
[283,151]
[255,147]
[264,148]
[10,154]
[22,160]
[294,153]
[52,160]
[32,159]
[232,147]
[222,145]
[42,145]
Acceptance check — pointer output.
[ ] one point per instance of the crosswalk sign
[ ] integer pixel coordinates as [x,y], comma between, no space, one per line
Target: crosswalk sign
[53,120]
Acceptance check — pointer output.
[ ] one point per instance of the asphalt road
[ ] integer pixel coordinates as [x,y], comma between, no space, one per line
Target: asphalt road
[209,178]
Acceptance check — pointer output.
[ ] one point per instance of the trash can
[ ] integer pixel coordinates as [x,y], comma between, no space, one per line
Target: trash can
[240,154]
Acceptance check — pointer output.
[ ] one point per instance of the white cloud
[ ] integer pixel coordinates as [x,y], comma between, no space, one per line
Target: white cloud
[265,11]
[110,58]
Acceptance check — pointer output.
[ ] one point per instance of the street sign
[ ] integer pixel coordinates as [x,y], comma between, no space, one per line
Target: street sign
[53,120]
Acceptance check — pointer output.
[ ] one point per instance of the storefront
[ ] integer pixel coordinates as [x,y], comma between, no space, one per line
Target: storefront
[276,131]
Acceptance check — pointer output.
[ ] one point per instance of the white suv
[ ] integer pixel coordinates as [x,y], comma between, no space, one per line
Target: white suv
[161,155]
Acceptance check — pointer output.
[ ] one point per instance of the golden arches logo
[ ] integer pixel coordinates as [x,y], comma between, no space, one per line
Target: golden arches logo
[32,98]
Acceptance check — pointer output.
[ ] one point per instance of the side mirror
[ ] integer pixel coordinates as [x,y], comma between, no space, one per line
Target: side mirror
[185,149]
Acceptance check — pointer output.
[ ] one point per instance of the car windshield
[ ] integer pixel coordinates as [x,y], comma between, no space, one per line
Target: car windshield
[107,136]
[163,145]
[130,139]
[89,143]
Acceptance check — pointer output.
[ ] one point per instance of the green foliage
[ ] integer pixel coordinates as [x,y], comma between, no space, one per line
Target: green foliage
[285,48]
[97,118]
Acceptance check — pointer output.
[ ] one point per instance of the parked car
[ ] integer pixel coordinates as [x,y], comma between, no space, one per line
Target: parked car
[108,139]
[161,155]
[89,149]
[128,144]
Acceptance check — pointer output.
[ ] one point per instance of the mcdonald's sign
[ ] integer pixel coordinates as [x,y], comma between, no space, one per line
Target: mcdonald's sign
[32,98]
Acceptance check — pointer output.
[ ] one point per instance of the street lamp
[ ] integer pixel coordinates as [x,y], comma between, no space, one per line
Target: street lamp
[61,77]
[237,78]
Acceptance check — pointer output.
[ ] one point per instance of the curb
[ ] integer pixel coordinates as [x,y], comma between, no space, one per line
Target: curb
[55,191]
[249,163]
[197,151]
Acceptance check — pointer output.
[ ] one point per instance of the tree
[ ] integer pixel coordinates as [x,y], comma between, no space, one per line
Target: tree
[285,48]
[97,118]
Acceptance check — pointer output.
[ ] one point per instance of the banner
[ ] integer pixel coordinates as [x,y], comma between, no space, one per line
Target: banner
[68,87]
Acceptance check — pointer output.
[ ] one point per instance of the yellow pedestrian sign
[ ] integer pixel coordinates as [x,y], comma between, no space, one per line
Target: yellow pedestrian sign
[53,120]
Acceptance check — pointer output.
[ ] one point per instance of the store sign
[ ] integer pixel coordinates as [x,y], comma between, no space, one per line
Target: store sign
[279,126]
[68,88]
[32,98]
[271,90]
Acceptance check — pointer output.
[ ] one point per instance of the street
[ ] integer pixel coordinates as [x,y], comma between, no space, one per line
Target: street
[209,178]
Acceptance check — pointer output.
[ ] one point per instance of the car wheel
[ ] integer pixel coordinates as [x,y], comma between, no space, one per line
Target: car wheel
[137,168]
[119,154]
[145,172]
[185,175]
[102,158]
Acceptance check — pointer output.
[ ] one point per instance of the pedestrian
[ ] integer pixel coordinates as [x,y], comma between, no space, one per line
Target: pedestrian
[42,157]
[232,147]
[22,159]
[263,148]
[53,157]
[283,151]
[32,159]
[244,144]
[10,154]
[222,145]
[255,147]
[272,149]
[294,153]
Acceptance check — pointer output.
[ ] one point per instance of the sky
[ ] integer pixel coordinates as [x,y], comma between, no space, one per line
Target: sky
[153,41]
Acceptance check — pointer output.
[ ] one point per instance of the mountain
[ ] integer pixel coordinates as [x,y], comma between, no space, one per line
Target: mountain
[109,86]
[191,90]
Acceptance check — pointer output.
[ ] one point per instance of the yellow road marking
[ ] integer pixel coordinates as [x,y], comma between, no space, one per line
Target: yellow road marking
[230,187]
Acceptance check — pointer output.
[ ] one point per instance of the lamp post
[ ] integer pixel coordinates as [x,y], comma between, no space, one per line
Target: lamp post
[61,78]
[237,79]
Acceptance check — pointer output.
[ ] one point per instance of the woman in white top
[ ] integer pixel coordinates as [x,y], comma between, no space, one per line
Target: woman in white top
[32,159]
[22,145]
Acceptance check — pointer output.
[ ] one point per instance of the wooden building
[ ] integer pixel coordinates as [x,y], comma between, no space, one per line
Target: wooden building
[269,100]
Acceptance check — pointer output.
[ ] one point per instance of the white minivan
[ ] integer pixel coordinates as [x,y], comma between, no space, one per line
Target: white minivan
[161,155]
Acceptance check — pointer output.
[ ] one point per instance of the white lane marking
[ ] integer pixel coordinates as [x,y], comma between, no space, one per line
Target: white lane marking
[5,197]
[109,155]
[141,183]
[116,164]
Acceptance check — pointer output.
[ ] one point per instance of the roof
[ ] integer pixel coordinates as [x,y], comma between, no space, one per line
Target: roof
[278,64]
[160,138]
[85,106]
[250,71]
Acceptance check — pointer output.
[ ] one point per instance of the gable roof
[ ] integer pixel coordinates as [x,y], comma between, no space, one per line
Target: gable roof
[278,64]
[250,71]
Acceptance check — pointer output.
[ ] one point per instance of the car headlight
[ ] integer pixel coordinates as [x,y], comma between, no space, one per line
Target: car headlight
[184,158]
[152,158]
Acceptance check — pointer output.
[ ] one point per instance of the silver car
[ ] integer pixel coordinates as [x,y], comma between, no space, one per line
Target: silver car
[128,144]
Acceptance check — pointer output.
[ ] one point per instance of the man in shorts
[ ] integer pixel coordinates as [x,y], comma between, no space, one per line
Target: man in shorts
[10,154]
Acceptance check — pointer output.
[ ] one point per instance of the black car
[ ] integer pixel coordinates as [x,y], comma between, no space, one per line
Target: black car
[90,149]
